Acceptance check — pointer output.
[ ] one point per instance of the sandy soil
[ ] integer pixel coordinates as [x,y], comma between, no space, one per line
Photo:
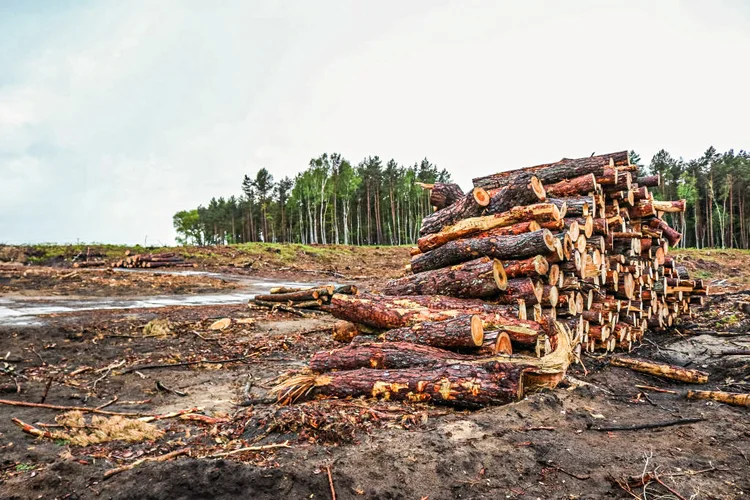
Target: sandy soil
[545,446]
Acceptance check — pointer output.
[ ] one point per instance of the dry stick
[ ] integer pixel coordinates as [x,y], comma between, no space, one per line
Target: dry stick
[655,389]
[161,458]
[734,352]
[107,403]
[551,465]
[46,390]
[185,363]
[668,488]
[30,429]
[668,423]
[330,482]
[69,408]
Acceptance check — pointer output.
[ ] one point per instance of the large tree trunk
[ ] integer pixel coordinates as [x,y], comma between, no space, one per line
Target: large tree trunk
[524,190]
[551,173]
[444,194]
[462,332]
[500,247]
[539,212]
[382,355]
[470,205]
[483,277]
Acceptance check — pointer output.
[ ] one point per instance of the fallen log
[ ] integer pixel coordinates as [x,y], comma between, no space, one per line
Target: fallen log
[483,277]
[470,205]
[539,212]
[500,247]
[679,373]
[298,296]
[729,398]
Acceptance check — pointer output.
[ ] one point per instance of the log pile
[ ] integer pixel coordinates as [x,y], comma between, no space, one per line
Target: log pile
[510,283]
[152,261]
[293,298]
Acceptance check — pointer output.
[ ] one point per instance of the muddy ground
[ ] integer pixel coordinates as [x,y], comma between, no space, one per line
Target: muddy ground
[545,446]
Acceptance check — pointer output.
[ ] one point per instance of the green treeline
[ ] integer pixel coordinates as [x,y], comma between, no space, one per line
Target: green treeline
[716,187]
[373,203]
[332,201]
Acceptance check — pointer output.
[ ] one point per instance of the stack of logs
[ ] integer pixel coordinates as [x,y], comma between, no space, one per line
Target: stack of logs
[508,284]
[151,261]
[285,297]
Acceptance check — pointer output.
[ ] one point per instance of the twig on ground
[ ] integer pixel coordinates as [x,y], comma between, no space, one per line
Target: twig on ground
[161,458]
[164,388]
[113,400]
[46,389]
[655,425]
[655,389]
[330,482]
[546,463]
[107,370]
[44,363]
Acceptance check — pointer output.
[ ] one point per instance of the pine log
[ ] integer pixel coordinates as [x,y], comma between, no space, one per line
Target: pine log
[483,277]
[662,370]
[553,225]
[522,288]
[344,331]
[642,209]
[460,385]
[533,266]
[500,247]
[648,180]
[470,205]
[577,206]
[382,355]
[669,206]
[672,236]
[464,331]
[551,173]
[524,190]
[496,342]
[729,398]
[520,331]
[539,212]
[583,184]
[444,194]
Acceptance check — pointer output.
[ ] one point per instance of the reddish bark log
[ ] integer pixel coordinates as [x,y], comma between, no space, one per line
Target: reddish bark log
[444,194]
[470,205]
[483,277]
[464,331]
[583,184]
[522,288]
[521,191]
[382,355]
[499,247]
[533,266]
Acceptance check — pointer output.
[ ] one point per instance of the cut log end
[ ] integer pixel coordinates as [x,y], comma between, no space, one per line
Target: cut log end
[549,240]
[503,344]
[538,188]
[481,196]
[498,272]
[477,330]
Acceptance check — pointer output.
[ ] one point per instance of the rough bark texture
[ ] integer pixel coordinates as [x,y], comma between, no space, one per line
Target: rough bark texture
[729,398]
[499,247]
[471,205]
[551,173]
[382,355]
[533,266]
[648,180]
[469,227]
[483,277]
[523,190]
[462,332]
[583,184]
[576,206]
[308,294]
[444,194]
[522,288]
[459,385]
[662,370]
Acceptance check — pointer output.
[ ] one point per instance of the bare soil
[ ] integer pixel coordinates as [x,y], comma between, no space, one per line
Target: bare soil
[545,446]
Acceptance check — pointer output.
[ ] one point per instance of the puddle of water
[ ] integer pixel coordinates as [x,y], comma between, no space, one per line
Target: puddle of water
[23,311]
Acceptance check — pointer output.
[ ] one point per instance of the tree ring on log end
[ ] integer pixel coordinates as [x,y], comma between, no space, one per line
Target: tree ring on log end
[498,272]
[537,188]
[477,330]
[481,196]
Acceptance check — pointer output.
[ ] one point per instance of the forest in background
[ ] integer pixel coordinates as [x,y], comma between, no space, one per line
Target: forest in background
[377,203]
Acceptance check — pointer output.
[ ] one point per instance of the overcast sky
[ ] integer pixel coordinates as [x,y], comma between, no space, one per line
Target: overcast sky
[116,114]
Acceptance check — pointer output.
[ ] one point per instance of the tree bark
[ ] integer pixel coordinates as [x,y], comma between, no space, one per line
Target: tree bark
[672,236]
[483,277]
[522,288]
[721,396]
[551,173]
[471,205]
[477,225]
[576,206]
[584,184]
[383,356]
[500,247]
[533,266]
